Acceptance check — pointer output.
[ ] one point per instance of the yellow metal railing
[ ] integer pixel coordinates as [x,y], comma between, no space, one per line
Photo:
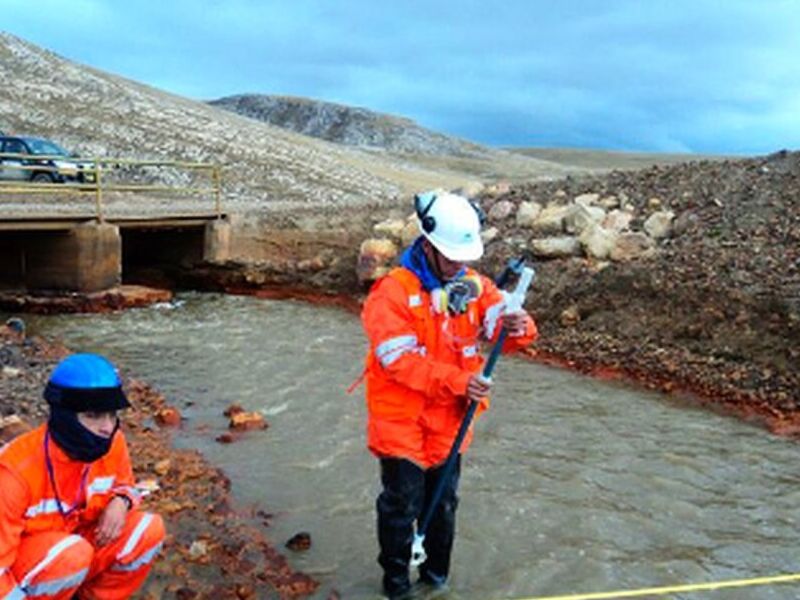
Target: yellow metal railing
[94,174]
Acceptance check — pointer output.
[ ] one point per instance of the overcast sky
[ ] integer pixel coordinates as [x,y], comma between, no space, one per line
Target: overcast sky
[706,76]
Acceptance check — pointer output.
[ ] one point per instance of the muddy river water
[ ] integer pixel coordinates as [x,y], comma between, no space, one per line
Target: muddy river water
[572,484]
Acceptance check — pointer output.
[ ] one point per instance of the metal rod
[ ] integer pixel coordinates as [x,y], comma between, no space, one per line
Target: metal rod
[217,190]
[98,193]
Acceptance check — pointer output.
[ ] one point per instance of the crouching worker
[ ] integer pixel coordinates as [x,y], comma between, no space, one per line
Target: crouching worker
[69,523]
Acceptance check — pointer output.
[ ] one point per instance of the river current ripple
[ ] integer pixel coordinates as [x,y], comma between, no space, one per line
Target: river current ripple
[572,484]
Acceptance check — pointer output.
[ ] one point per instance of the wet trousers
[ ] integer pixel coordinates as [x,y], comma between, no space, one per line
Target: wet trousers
[407,489]
[57,565]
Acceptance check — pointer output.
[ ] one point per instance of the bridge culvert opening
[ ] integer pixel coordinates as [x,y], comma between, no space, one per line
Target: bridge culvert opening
[157,256]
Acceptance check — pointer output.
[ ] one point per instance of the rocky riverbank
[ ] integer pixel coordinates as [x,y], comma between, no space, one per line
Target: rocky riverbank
[213,549]
[685,278]
[118,298]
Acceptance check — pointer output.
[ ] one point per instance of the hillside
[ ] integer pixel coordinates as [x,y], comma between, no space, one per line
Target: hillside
[350,126]
[607,160]
[265,167]
[714,310]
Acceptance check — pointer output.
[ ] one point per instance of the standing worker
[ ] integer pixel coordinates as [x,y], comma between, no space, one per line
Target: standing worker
[424,321]
[69,524]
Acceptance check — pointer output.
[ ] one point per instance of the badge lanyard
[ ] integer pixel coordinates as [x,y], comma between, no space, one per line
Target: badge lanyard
[51,473]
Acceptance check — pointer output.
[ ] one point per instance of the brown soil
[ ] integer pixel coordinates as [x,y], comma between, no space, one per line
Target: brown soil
[715,312]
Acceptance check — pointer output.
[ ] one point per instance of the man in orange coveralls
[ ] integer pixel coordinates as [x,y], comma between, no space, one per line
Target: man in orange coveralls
[69,524]
[424,321]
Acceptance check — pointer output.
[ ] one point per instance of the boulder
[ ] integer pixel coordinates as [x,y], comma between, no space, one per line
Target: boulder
[391,228]
[631,245]
[587,199]
[247,421]
[299,542]
[597,241]
[685,222]
[570,316]
[659,224]
[609,202]
[470,190]
[555,247]
[374,259]
[617,220]
[582,216]
[527,213]
[488,234]
[410,231]
[551,220]
[500,210]
[169,416]
[497,189]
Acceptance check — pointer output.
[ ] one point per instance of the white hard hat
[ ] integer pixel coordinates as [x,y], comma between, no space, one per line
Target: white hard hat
[451,223]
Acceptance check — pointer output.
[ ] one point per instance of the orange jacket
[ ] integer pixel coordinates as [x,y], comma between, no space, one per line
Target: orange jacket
[28,502]
[418,357]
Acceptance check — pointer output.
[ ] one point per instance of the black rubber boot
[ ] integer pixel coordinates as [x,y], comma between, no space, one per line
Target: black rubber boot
[441,531]
[398,506]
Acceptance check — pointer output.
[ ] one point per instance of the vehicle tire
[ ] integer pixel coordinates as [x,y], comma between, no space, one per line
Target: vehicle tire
[42,178]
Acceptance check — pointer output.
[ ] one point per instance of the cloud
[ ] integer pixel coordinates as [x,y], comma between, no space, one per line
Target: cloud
[695,75]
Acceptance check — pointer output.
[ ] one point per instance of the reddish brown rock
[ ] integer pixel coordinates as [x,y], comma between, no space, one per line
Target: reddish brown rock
[247,421]
[299,542]
[233,409]
[168,416]
[118,298]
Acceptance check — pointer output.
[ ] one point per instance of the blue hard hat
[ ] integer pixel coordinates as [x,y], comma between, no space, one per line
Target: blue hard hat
[86,382]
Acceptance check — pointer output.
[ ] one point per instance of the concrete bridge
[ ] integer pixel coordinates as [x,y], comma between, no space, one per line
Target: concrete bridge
[53,238]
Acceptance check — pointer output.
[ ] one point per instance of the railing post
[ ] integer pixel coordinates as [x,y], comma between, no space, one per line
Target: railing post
[217,190]
[98,193]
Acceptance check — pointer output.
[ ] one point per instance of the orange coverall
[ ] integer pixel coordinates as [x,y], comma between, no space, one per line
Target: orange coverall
[50,553]
[419,364]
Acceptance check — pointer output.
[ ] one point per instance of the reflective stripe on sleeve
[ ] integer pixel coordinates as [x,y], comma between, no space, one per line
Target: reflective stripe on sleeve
[50,588]
[100,485]
[137,534]
[144,559]
[392,349]
[46,507]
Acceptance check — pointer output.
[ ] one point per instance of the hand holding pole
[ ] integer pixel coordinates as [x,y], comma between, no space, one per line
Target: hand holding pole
[514,302]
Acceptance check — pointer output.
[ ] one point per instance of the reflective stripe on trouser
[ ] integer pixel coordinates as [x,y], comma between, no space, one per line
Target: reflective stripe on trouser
[51,565]
[120,568]
[406,490]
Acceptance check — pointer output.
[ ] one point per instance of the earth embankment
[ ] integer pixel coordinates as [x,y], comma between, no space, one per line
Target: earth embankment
[712,308]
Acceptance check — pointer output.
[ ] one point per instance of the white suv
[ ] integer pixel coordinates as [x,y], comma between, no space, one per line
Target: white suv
[43,161]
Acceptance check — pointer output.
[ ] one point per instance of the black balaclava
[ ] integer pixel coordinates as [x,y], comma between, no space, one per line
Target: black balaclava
[73,438]
[83,383]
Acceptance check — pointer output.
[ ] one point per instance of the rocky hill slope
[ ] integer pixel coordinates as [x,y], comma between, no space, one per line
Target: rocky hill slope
[348,125]
[709,303]
[100,114]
